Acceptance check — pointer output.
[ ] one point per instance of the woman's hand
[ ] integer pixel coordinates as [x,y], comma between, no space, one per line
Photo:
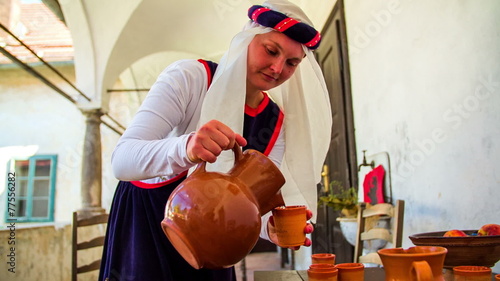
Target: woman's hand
[210,140]
[308,228]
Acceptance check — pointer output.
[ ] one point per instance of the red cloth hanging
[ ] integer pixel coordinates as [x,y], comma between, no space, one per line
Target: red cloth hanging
[373,186]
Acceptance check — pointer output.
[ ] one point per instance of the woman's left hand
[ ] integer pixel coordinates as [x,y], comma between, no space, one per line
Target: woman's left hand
[308,228]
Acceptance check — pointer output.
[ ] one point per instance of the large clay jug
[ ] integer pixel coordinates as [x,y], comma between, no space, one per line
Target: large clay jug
[213,219]
[420,263]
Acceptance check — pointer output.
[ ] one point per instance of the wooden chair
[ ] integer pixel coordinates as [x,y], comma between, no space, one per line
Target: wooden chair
[367,229]
[79,247]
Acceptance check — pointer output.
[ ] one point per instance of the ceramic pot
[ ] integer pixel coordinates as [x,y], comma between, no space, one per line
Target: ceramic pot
[289,222]
[351,271]
[322,267]
[322,272]
[213,219]
[472,273]
[421,263]
[320,258]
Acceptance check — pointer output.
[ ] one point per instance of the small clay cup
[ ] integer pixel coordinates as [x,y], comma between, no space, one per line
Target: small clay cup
[289,222]
[322,267]
[351,271]
[497,277]
[323,258]
[322,272]
[471,273]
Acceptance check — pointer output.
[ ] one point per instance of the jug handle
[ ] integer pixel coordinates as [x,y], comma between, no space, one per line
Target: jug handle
[421,271]
[238,155]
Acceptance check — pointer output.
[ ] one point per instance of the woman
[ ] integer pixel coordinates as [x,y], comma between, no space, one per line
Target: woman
[266,92]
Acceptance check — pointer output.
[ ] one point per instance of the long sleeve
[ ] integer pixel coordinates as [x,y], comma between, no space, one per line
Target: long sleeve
[154,144]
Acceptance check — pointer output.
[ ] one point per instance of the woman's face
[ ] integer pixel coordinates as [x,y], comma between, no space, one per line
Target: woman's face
[272,59]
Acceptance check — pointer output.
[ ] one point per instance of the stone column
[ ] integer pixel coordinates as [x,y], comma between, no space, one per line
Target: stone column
[91,183]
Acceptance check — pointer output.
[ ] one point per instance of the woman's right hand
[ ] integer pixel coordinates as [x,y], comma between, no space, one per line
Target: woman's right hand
[210,140]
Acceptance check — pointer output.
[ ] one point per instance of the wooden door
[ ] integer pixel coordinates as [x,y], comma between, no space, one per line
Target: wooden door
[341,159]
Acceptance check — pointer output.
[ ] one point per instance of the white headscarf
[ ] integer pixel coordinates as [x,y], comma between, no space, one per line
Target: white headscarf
[303,98]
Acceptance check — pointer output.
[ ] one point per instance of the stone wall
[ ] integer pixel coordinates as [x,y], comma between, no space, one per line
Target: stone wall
[39,253]
[44,252]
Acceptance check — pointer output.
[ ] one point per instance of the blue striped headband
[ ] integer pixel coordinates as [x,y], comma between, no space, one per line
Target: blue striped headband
[298,31]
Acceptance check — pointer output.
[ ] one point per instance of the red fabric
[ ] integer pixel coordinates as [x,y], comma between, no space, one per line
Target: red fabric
[159,184]
[373,186]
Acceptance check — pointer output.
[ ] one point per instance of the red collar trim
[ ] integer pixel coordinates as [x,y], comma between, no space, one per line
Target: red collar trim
[276,134]
[255,111]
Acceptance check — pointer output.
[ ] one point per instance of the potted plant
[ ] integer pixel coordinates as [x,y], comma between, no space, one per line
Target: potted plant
[341,199]
[344,200]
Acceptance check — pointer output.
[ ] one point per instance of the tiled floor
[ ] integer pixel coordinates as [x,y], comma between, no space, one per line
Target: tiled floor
[259,261]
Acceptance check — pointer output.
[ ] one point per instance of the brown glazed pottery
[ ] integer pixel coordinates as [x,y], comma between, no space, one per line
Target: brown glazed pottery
[289,222]
[421,263]
[463,250]
[472,273]
[322,272]
[213,219]
[323,258]
[351,271]
[322,267]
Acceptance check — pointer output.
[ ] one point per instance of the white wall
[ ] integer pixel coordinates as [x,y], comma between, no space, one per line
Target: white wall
[426,89]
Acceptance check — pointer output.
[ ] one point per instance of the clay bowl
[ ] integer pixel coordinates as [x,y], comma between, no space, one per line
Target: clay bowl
[468,250]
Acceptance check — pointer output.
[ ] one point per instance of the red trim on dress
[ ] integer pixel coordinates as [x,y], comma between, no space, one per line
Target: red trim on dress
[159,184]
[254,111]
[209,72]
[276,134]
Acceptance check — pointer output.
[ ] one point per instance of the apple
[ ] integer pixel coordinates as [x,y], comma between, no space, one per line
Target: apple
[489,229]
[454,233]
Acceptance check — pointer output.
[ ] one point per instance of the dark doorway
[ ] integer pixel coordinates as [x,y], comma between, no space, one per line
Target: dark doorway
[341,159]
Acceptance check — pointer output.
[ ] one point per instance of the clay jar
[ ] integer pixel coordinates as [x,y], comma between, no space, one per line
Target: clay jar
[213,219]
[289,223]
[421,263]
[351,271]
[322,272]
[323,258]
[471,273]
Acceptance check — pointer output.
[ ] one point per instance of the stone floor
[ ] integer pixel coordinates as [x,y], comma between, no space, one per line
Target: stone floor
[259,261]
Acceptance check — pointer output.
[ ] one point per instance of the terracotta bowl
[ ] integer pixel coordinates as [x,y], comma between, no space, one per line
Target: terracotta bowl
[468,250]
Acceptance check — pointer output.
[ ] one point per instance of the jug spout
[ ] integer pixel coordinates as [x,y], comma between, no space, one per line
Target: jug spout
[263,179]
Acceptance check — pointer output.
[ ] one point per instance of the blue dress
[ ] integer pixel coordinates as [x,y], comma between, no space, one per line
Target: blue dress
[136,247]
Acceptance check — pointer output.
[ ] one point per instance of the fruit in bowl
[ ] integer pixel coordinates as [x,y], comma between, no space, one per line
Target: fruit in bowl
[472,249]
[454,233]
[489,229]
[485,230]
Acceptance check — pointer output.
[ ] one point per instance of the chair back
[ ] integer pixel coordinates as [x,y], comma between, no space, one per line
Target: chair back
[371,230]
[95,227]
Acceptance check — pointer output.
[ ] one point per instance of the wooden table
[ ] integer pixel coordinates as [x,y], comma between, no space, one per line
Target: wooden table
[371,274]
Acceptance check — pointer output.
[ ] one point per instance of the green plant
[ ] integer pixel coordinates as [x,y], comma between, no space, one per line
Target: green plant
[341,199]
